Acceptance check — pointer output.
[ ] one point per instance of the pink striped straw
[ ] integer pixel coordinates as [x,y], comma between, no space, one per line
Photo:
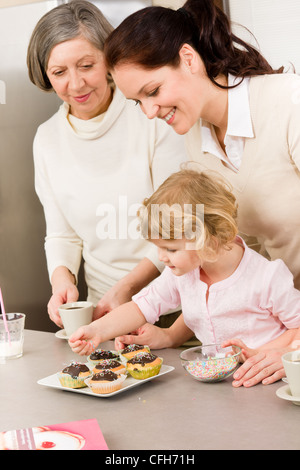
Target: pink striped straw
[4,316]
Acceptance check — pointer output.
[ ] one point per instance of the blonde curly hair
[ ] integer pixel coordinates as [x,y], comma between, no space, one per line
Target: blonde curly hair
[197,206]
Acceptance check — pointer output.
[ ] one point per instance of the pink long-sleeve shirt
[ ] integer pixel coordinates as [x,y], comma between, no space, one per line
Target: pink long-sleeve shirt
[257,303]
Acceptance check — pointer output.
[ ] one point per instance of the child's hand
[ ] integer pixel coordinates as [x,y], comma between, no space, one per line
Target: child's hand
[245,353]
[84,341]
[151,335]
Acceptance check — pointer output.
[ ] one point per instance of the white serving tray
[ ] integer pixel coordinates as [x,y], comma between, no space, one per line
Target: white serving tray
[53,381]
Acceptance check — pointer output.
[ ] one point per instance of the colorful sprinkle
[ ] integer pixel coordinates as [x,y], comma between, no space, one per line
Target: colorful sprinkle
[212,369]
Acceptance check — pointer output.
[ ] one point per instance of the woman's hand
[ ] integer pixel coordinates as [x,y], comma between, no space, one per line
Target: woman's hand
[60,297]
[64,290]
[259,365]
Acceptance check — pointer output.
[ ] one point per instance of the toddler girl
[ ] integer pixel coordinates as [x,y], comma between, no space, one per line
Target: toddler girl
[226,290]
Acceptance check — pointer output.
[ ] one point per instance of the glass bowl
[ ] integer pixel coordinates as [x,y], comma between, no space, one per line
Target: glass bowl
[211,362]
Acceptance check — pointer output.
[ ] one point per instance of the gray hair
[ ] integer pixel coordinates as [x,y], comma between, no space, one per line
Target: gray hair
[63,23]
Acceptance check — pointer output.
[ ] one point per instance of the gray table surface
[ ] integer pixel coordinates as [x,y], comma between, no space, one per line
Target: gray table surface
[170,412]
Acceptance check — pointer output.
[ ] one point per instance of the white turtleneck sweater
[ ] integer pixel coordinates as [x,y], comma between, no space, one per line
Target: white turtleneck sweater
[90,177]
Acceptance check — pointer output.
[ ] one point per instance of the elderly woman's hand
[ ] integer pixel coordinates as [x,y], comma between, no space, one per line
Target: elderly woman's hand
[64,291]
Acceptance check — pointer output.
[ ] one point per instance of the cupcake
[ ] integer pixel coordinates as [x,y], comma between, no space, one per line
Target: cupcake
[101,354]
[133,349]
[73,375]
[110,364]
[144,365]
[105,382]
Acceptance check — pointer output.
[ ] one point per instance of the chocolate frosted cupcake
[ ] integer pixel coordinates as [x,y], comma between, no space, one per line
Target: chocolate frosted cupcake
[110,364]
[144,365]
[132,349]
[73,375]
[101,354]
[105,382]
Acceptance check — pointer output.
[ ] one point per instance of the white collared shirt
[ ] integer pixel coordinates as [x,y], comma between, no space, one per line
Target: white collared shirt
[239,126]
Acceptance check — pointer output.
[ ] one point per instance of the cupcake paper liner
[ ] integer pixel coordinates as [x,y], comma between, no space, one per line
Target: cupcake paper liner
[145,373]
[105,387]
[67,380]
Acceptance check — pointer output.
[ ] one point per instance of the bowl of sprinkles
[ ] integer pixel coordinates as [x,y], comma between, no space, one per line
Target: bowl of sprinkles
[211,363]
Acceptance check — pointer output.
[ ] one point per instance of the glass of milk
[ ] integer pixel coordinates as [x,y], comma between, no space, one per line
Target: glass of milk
[11,346]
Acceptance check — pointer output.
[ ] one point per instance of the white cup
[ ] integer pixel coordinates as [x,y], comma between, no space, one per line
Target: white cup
[291,364]
[75,314]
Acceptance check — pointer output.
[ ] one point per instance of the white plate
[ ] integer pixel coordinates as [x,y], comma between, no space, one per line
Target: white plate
[285,393]
[61,334]
[53,381]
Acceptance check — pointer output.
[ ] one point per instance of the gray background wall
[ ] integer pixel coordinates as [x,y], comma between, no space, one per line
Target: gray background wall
[23,276]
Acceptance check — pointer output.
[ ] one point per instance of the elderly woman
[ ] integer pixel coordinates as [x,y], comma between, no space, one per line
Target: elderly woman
[95,161]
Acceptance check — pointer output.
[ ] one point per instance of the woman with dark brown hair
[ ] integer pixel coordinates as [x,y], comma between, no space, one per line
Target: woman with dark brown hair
[152,37]
[240,116]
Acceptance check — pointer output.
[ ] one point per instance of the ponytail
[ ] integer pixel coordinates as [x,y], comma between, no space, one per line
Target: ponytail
[221,51]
